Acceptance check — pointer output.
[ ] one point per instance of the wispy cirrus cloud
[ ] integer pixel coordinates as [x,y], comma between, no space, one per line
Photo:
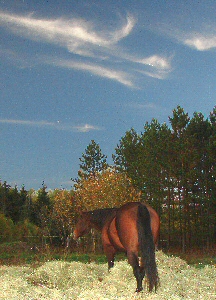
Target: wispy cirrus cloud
[86,128]
[51,125]
[96,69]
[78,36]
[84,40]
[159,67]
[143,106]
[201,42]
[64,31]
[203,39]
[159,62]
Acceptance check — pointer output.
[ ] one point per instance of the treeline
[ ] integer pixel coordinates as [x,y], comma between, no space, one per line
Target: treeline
[52,214]
[30,214]
[170,166]
[174,166]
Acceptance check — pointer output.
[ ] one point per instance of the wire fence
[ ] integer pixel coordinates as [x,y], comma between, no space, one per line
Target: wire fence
[89,243]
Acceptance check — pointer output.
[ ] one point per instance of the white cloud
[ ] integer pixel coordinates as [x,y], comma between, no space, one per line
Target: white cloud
[86,128]
[201,38]
[144,106]
[148,107]
[98,70]
[52,125]
[158,74]
[84,39]
[125,30]
[73,34]
[161,63]
[201,42]
[155,66]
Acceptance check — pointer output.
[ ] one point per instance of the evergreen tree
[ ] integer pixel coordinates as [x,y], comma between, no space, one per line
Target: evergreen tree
[4,191]
[92,161]
[175,170]
[42,208]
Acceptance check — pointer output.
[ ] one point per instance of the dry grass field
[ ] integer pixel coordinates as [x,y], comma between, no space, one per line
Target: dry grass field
[76,280]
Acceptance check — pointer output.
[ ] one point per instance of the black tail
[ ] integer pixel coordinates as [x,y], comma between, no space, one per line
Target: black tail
[147,247]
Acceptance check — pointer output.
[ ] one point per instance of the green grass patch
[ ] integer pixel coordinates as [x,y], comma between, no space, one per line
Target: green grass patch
[20,253]
[196,258]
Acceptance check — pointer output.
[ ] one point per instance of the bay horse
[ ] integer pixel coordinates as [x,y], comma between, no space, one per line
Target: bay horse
[132,228]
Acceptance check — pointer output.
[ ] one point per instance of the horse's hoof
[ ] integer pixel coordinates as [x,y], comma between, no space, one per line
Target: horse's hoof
[139,290]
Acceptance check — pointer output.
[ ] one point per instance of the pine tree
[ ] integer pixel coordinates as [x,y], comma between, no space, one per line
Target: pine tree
[92,161]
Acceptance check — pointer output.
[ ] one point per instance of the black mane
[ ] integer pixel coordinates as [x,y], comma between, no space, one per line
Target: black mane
[99,216]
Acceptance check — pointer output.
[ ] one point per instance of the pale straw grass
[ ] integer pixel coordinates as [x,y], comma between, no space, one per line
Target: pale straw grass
[64,280]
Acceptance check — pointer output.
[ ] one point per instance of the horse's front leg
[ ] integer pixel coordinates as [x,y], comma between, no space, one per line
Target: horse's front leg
[110,252]
[108,248]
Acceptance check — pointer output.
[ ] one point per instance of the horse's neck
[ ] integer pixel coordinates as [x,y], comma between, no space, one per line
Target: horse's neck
[97,226]
[99,218]
[97,223]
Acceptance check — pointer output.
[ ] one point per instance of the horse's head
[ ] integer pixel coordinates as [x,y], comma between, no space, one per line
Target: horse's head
[83,226]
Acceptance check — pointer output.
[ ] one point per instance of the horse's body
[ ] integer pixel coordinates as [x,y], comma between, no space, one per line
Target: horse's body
[133,228]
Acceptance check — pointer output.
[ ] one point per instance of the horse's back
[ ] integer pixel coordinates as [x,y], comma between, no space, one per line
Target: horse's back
[126,222]
[121,229]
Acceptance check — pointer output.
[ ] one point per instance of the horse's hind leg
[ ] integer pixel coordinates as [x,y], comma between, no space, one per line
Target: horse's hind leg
[142,270]
[139,273]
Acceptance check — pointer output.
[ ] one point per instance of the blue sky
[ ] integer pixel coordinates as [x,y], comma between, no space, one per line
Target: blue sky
[73,71]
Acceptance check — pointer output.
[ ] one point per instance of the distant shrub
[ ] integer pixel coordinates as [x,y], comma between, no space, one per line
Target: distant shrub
[6,229]
[26,229]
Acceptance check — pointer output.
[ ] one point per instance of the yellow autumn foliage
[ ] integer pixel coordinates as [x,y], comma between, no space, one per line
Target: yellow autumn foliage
[107,189]
[63,210]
